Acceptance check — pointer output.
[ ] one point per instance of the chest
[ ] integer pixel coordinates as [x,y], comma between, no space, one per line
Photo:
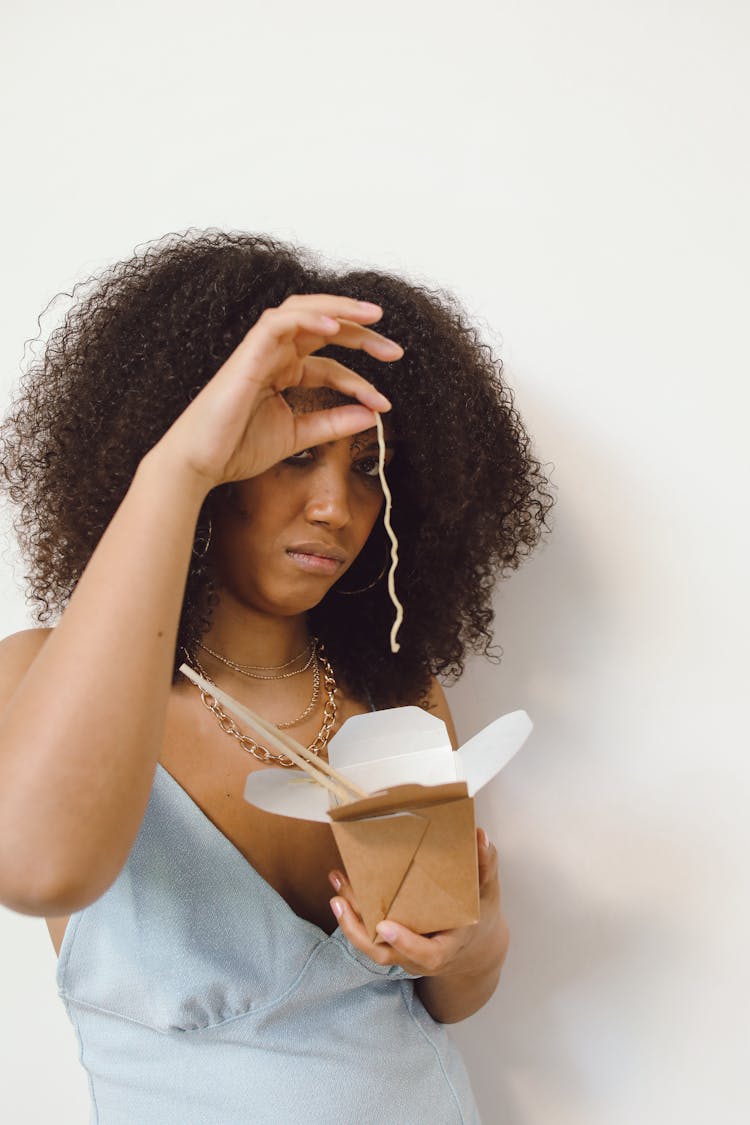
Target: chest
[293,856]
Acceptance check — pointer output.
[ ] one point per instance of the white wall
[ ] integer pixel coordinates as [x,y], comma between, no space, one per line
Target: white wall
[578,173]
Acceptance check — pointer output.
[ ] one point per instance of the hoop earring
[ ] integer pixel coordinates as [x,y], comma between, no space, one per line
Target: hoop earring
[201,554]
[373,583]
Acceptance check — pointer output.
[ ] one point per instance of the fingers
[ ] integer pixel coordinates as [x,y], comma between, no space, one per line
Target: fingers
[311,333]
[332,423]
[431,954]
[320,371]
[277,351]
[354,928]
[350,335]
[486,859]
[417,953]
[342,886]
[326,304]
[335,422]
[316,321]
[346,910]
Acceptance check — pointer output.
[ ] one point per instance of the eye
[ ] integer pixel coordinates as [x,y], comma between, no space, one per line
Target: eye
[371,472]
[293,459]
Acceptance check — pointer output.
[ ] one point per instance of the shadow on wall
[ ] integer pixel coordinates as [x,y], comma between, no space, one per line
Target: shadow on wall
[568,1017]
[554,616]
[585,876]
[544,1042]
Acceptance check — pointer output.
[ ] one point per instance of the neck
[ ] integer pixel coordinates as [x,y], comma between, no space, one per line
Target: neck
[249,637]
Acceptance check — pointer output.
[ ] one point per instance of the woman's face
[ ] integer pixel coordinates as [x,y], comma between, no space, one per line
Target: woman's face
[325,499]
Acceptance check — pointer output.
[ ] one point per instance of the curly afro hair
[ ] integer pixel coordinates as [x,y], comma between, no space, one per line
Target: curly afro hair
[469,499]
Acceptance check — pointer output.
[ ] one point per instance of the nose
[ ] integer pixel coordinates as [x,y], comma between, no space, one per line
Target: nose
[327,500]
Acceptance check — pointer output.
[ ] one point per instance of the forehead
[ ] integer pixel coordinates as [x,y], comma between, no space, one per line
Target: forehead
[303,400]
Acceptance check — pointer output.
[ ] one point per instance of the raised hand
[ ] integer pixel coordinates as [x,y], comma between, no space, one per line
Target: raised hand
[240,424]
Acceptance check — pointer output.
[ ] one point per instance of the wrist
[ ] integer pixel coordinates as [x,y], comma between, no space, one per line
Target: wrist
[486,956]
[453,998]
[161,466]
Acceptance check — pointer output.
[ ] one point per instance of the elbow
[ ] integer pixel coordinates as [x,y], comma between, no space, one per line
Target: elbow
[46,894]
[469,1007]
[443,1018]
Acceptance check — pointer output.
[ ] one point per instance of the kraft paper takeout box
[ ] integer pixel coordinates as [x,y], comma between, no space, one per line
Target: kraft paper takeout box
[409,848]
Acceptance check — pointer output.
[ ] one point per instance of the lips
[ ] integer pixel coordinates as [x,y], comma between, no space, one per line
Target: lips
[317,549]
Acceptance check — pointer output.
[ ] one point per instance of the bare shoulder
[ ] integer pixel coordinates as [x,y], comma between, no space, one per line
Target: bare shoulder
[437,705]
[17,653]
[24,641]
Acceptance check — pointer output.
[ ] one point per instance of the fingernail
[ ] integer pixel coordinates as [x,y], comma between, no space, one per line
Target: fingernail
[336,881]
[368,306]
[485,838]
[386,930]
[389,346]
[336,907]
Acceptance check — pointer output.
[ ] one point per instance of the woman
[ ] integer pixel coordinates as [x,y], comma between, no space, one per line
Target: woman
[195,462]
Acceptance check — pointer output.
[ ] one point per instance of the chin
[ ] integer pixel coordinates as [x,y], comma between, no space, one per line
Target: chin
[292,604]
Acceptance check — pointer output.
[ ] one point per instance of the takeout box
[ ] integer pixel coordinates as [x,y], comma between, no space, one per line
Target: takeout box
[409,848]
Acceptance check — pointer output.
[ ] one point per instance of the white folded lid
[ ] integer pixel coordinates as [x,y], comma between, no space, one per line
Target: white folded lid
[392,747]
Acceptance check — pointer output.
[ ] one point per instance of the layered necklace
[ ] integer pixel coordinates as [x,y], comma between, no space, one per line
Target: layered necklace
[316,657]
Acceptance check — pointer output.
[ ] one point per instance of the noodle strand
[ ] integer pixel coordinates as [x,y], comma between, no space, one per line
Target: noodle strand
[395,646]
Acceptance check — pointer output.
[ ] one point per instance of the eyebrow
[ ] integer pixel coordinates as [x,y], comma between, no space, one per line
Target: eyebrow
[374,445]
[390,443]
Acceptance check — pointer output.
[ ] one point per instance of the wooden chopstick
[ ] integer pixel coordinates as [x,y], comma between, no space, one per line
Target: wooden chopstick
[319,770]
[271,736]
[282,739]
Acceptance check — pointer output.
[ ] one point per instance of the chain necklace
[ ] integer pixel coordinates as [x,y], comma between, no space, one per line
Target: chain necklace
[311,704]
[262,753]
[316,682]
[245,670]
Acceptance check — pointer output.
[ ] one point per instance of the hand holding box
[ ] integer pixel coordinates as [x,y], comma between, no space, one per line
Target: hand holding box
[407,839]
[409,848]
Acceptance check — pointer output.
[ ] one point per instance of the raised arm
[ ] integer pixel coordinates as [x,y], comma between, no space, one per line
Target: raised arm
[85,710]
[82,715]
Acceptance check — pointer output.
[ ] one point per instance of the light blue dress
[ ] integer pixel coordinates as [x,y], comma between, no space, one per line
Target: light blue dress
[199,997]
